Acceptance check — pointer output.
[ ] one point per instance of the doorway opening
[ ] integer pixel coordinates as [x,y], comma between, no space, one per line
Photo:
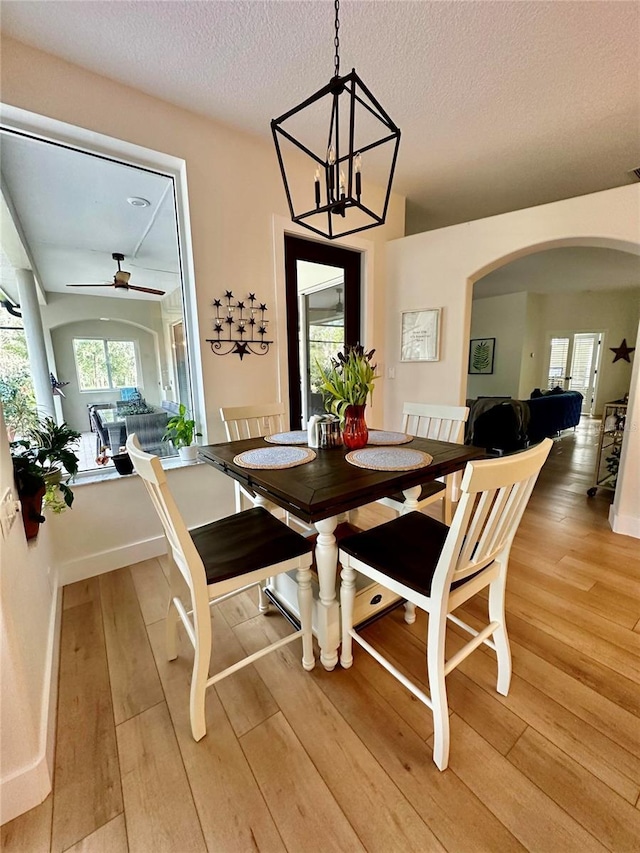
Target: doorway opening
[323,296]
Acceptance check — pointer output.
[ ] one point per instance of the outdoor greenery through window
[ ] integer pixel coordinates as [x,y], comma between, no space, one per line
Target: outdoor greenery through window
[104,365]
[16,386]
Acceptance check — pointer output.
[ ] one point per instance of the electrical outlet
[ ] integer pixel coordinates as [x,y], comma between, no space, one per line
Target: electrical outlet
[8,511]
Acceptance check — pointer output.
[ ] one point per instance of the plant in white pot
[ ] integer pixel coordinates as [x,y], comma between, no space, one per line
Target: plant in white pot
[181,430]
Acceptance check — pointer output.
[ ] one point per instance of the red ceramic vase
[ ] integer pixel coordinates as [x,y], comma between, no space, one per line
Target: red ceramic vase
[32,516]
[355,434]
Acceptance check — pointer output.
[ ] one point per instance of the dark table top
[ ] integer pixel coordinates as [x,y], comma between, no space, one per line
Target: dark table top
[330,485]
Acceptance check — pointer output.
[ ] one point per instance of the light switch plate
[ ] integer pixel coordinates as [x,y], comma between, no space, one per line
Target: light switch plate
[8,512]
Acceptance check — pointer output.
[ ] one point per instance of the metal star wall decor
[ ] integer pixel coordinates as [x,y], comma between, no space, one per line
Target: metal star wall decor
[244,339]
[622,352]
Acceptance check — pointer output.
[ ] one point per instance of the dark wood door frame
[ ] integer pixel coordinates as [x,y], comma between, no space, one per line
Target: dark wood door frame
[297,249]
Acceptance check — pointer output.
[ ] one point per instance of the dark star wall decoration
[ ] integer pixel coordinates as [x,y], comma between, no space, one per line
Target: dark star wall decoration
[622,352]
[239,328]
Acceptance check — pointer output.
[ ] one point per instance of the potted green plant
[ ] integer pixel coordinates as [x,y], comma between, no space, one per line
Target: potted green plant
[181,430]
[346,385]
[41,464]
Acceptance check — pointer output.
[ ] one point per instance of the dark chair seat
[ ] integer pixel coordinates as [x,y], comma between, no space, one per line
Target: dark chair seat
[406,549]
[245,542]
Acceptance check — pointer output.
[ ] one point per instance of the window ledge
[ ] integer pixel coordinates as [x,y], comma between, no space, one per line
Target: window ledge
[100,475]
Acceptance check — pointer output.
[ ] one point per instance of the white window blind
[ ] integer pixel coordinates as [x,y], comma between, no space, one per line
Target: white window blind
[558,362]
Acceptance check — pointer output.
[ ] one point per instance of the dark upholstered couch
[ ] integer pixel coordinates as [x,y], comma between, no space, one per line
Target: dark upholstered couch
[506,425]
[552,413]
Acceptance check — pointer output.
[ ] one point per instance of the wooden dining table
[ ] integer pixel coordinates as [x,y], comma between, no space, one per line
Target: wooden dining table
[320,491]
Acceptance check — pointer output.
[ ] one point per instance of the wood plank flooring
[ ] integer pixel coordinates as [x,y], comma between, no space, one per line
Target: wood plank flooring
[306,762]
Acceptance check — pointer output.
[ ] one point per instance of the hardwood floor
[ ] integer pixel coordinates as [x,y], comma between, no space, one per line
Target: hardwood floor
[304,762]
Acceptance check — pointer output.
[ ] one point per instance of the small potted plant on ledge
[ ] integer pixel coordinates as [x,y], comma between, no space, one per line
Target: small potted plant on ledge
[181,430]
[346,385]
[41,464]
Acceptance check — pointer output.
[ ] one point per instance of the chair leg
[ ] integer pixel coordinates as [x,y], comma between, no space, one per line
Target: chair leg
[173,617]
[305,605]
[171,630]
[347,600]
[238,496]
[263,601]
[201,660]
[438,688]
[500,637]
[447,502]
[409,612]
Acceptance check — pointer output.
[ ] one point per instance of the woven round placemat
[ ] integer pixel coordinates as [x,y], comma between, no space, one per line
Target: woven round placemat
[389,458]
[383,436]
[295,436]
[274,457]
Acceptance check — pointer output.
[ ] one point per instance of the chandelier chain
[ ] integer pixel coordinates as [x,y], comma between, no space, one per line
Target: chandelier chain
[336,41]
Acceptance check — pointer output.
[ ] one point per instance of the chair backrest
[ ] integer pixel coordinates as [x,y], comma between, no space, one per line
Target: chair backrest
[99,427]
[149,428]
[252,421]
[494,495]
[184,552]
[427,420]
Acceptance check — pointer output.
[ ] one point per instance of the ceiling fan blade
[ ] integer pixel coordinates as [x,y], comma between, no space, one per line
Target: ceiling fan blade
[90,285]
[147,290]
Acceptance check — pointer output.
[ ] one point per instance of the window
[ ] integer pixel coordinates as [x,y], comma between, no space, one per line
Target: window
[105,365]
[558,362]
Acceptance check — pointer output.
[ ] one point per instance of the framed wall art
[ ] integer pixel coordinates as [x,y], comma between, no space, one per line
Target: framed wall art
[481,352]
[420,335]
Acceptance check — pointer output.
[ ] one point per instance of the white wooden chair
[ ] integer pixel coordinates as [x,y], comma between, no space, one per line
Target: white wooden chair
[251,422]
[443,423]
[438,568]
[217,561]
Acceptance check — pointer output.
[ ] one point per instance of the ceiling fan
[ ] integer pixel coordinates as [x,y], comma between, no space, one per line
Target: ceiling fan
[121,280]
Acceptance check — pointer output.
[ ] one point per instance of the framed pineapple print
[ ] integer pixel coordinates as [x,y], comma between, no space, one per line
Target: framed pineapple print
[481,352]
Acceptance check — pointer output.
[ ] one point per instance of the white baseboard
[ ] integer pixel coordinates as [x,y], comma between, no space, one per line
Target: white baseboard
[28,786]
[628,525]
[107,561]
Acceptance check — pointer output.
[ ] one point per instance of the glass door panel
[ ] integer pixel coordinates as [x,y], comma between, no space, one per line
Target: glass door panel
[322,325]
[583,372]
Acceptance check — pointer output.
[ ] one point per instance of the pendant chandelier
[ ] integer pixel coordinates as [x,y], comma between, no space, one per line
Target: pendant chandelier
[344,133]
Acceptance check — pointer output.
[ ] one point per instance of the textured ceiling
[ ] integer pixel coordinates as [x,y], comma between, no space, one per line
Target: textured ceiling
[502,105]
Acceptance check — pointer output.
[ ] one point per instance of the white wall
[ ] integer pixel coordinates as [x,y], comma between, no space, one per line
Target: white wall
[28,623]
[505,319]
[438,269]
[532,348]
[236,208]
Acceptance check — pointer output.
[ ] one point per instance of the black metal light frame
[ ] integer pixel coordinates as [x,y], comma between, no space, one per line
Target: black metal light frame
[337,202]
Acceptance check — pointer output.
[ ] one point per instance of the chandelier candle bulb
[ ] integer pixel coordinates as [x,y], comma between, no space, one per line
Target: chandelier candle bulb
[357,161]
[343,183]
[331,161]
[317,186]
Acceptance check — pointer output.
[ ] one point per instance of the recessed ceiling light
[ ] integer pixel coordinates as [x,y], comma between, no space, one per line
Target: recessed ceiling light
[137,201]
